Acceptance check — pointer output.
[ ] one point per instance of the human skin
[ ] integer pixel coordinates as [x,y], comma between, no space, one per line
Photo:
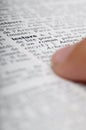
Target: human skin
[70,62]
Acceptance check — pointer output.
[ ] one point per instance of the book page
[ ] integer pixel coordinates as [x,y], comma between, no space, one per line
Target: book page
[32,97]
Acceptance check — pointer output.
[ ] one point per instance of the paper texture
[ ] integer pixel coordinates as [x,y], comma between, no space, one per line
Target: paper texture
[32,97]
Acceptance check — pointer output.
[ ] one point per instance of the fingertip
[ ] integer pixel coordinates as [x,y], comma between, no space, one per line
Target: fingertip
[61,55]
[70,62]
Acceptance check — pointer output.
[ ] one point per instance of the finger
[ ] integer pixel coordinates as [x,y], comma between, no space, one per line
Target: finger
[70,62]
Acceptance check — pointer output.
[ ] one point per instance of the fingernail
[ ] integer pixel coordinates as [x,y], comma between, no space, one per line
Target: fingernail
[62,55]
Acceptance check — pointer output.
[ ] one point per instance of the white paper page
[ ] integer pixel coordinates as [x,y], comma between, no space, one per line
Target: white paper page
[32,97]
